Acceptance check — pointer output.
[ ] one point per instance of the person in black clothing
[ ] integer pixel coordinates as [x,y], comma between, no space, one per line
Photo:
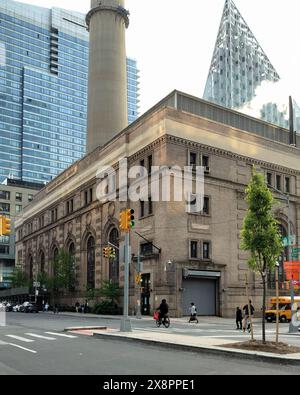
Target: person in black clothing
[247,316]
[239,319]
[163,309]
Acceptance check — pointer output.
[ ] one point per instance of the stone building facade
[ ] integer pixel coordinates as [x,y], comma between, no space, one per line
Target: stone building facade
[184,255]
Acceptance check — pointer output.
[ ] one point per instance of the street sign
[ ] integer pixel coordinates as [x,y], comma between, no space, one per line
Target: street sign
[296,251]
[289,241]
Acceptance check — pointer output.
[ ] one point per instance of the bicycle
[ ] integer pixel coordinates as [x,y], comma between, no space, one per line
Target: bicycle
[165,321]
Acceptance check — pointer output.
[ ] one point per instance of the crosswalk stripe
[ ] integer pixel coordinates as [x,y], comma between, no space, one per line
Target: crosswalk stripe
[22,348]
[62,335]
[21,339]
[39,336]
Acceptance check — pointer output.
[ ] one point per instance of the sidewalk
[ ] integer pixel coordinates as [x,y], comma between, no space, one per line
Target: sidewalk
[184,320]
[202,344]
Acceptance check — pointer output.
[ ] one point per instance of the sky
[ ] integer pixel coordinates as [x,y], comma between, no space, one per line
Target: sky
[173,40]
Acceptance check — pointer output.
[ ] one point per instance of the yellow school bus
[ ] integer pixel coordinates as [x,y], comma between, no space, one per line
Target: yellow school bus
[285,309]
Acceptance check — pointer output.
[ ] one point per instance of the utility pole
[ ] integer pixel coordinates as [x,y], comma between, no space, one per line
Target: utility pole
[138,307]
[125,322]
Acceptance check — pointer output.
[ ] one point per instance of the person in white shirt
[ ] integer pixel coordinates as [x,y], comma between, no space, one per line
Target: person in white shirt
[193,310]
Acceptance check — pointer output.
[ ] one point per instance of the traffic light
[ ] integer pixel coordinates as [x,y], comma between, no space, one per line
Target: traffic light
[106,252]
[130,219]
[123,220]
[4,226]
[112,253]
[127,219]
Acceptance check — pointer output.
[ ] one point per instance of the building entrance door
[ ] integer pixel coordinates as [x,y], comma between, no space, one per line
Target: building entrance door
[146,294]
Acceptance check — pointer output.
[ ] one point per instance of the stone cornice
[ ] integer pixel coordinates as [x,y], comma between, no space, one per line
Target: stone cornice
[229,154]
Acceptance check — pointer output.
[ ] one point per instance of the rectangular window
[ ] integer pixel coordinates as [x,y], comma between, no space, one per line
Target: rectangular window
[150,206]
[205,161]
[146,249]
[206,250]
[4,250]
[269,179]
[206,209]
[194,249]
[54,215]
[278,182]
[193,159]
[30,198]
[41,222]
[4,195]
[91,195]
[142,208]
[5,207]
[150,164]
[18,197]
[18,208]
[287,185]
[4,239]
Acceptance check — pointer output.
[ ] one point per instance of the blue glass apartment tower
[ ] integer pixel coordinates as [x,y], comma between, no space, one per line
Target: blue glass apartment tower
[43,90]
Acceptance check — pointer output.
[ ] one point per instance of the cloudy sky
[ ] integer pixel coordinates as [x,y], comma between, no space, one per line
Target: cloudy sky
[173,40]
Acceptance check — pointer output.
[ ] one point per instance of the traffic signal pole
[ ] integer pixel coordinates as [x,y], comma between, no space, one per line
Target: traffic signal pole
[125,322]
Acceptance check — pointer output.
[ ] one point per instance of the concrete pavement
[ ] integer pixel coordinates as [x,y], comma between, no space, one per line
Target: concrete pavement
[205,337]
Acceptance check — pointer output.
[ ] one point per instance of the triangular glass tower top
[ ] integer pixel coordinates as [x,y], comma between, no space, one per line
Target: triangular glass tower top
[239,64]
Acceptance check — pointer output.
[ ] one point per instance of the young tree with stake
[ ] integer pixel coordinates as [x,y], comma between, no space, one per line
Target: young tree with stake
[260,234]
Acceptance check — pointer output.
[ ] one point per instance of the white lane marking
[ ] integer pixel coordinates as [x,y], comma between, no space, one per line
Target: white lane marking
[39,336]
[22,348]
[21,339]
[62,335]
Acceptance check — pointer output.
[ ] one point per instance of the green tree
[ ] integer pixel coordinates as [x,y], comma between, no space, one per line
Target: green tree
[110,291]
[63,278]
[18,278]
[260,234]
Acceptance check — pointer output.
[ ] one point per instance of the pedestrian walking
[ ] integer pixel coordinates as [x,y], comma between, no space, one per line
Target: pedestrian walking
[77,306]
[239,319]
[46,307]
[246,321]
[193,311]
[55,310]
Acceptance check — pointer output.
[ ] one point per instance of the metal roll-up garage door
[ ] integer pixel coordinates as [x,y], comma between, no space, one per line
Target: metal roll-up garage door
[202,292]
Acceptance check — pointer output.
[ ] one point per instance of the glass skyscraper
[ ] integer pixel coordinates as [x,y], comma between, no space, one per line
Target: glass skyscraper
[239,68]
[43,90]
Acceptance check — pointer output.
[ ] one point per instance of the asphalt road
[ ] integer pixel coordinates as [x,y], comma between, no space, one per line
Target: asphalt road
[35,344]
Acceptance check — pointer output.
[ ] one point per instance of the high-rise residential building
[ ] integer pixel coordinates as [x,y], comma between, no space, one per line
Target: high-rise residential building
[14,196]
[239,67]
[43,90]
[132,90]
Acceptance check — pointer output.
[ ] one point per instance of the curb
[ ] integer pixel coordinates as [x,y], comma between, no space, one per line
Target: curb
[86,328]
[207,350]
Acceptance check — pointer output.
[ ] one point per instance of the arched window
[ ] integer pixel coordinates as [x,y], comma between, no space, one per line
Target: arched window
[114,267]
[72,249]
[72,252]
[42,262]
[91,263]
[55,254]
[30,265]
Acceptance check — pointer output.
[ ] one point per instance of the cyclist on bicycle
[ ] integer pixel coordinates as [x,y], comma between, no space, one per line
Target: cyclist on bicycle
[163,310]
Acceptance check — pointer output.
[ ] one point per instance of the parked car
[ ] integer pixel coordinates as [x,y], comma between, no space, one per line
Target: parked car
[31,308]
[16,308]
[23,307]
[8,307]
